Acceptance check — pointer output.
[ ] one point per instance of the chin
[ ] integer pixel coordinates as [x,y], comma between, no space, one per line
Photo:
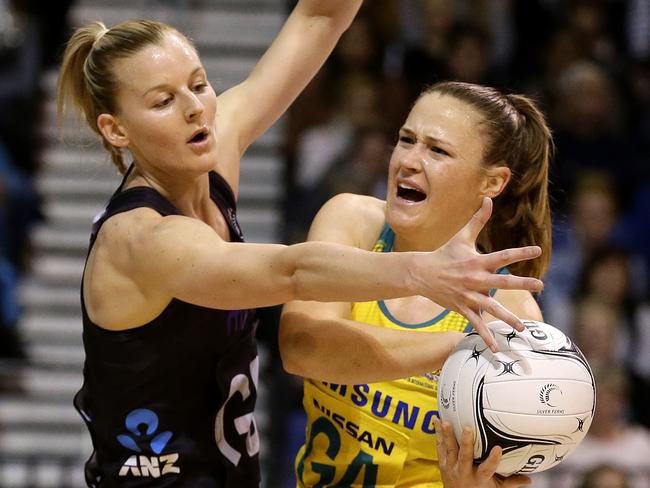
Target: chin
[202,164]
[402,222]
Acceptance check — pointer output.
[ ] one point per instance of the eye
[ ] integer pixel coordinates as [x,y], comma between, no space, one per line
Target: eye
[200,87]
[164,102]
[439,150]
[406,140]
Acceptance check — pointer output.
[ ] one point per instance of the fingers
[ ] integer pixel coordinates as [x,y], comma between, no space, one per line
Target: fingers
[488,467]
[453,458]
[479,219]
[506,257]
[450,444]
[480,327]
[466,456]
[511,282]
[496,309]
[440,443]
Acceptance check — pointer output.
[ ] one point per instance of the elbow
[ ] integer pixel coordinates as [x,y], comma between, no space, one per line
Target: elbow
[292,347]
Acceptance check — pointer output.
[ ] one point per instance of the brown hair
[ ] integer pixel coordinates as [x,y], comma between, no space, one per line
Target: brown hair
[87,79]
[517,137]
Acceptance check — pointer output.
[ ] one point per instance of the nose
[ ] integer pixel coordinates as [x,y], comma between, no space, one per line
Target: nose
[194,107]
[412,159]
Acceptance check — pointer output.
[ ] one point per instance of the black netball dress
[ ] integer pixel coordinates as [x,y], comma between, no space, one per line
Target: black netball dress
[170,403]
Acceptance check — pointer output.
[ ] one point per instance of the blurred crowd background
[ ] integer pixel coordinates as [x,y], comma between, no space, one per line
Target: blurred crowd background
[586,62]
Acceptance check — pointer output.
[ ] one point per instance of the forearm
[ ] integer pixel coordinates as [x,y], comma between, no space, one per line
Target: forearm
[300,49]
[215,274]
[347,352]
[329,272]
[340,12]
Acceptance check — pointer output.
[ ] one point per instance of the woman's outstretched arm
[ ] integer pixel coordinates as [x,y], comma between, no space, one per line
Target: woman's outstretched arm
[295,56]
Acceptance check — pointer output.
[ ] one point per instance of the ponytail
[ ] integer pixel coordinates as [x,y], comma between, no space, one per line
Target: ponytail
[522,213]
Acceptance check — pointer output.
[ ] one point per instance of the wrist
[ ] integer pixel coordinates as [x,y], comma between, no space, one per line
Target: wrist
[424,271]
[412,278]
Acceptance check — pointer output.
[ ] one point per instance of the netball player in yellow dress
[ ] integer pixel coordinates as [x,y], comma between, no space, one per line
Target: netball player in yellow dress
[370,388]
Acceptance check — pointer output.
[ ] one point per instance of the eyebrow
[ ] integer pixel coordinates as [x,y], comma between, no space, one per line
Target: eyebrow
[164,85]
[428,139]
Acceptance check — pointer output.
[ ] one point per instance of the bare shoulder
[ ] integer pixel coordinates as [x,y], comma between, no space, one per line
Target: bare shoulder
[110,289]
[143,237]
[136,253]
[349,219]
[124,230]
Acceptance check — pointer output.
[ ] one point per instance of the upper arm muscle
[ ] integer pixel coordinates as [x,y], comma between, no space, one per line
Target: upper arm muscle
[181,257]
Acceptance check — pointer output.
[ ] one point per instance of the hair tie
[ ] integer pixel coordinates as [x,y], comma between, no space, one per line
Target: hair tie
[100,35]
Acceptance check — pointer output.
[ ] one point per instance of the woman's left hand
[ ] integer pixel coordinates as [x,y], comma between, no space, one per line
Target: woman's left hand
[457,462]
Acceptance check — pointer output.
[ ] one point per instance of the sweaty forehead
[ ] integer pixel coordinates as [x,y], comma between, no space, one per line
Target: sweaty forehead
[436,115]
[156,63]
[453,113]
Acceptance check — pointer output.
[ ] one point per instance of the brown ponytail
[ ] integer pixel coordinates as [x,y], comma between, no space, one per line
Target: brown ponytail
[518,138]
[86,78]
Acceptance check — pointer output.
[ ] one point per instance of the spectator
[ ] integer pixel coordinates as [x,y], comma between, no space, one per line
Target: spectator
[590,134]
[593,23]
[593,215]
[598,331]
[20,98]
[608,280]
[636,89]
[422,58]
[18,205]
[318,148]
[322,147]
[468,58]
[633,229]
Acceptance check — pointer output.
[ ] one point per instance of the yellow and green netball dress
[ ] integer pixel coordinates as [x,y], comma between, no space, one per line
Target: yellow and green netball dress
[379,434]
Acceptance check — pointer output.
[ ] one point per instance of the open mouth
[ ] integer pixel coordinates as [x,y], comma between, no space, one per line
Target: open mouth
[409,193]
[199,136]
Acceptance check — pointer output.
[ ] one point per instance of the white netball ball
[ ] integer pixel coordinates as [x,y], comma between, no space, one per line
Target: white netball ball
[535,398]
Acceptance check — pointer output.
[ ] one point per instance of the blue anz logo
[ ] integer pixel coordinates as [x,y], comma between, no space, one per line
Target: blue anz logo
[142,425]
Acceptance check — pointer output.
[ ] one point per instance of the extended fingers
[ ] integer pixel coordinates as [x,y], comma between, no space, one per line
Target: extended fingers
[480,327]
[506,257]
[496,309]
[512,282]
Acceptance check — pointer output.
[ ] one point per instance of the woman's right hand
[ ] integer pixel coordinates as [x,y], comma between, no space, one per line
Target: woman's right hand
[464,277]
[457,466]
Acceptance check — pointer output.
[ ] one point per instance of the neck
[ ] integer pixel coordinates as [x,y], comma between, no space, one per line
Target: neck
[188,194]
[415,242]
[419,238]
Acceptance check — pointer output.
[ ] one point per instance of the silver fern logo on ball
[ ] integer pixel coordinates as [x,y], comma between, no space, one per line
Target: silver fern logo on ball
[549,395]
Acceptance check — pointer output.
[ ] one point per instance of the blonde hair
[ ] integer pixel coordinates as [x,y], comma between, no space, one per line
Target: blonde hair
[518,137]
[87,80]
